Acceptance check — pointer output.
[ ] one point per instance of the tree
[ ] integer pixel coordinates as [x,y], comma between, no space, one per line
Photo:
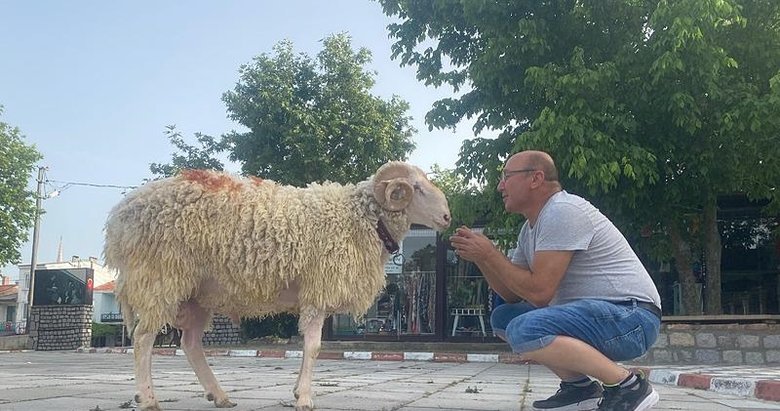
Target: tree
[653,108]
[17,203]
[315,119]
[189,156]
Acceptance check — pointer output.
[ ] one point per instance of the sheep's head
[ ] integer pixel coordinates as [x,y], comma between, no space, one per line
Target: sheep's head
[399,186]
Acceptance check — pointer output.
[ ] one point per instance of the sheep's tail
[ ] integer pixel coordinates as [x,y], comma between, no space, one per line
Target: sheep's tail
[128,316]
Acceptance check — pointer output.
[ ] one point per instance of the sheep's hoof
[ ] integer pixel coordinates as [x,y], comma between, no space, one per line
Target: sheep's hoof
[224,403]
[304,405]
[221,403]
[153,406]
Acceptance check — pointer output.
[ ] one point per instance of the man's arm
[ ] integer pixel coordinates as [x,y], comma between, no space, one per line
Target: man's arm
[536,285]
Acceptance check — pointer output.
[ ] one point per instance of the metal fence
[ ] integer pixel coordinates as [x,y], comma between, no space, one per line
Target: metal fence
[13,328]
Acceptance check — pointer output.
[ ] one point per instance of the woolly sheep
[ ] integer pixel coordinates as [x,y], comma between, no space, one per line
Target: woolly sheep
[204,242]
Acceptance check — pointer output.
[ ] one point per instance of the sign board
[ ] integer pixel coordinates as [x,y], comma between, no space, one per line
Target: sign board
[395,264]
[71,286]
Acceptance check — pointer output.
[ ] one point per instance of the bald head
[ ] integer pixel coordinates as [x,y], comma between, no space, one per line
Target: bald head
[538,160]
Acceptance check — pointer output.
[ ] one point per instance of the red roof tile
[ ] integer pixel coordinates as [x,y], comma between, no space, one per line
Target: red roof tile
[107,287]
[9,289]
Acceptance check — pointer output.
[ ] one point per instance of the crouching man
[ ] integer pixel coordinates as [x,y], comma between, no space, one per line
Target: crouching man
[578,298]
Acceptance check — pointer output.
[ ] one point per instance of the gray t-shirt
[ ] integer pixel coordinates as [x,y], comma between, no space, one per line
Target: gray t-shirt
[603,266]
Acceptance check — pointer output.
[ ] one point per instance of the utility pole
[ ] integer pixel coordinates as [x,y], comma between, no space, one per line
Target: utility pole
[34,258]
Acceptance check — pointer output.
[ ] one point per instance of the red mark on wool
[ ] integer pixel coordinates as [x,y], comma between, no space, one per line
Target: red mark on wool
[211,180]
[256,180]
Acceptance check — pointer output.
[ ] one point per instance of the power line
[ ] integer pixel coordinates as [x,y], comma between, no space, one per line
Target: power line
[76,183]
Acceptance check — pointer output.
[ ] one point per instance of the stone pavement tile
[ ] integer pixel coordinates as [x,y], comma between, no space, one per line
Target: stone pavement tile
[36,393]
[200,404]
[449,401]
[362,400]
[62,404]
[279,393]
[745,404]
[486,390]
[405,386]
[428,409]
[430,379]
[691,406]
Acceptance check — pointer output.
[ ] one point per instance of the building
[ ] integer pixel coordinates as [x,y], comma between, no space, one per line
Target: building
[102,276]
[431,295]
[8,298]
[105,303]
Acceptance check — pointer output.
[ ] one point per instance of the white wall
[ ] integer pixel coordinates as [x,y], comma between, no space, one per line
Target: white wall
[104,302]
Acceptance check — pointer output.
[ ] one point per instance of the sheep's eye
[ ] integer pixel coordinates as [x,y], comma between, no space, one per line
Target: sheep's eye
[418,188]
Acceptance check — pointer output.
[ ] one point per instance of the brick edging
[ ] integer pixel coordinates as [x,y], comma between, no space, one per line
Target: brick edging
[459,357]
[744,387]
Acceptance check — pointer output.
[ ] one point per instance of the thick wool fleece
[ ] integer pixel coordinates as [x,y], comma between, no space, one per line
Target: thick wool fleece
[233,244]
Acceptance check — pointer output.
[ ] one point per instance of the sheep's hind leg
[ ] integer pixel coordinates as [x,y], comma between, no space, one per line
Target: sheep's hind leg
[142,354]
[310,325]
[192,320]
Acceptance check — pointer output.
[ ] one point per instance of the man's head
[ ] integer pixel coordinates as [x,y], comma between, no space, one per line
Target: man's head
[528,180]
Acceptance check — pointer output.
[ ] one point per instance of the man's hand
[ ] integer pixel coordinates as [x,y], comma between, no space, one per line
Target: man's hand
[471,246]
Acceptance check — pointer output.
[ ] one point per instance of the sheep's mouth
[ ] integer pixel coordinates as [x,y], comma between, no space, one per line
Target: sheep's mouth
[441,225]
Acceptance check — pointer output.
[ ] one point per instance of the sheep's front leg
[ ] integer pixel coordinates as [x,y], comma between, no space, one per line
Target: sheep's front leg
[142,355]
[192,319]
[310,325]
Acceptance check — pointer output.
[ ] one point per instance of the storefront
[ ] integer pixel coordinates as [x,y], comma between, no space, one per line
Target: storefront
[431,295]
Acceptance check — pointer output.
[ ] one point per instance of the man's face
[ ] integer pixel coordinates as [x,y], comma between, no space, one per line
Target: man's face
[515,184]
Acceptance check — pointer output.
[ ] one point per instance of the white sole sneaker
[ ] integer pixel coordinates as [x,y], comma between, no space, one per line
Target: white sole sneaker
[587,405]
[648,402]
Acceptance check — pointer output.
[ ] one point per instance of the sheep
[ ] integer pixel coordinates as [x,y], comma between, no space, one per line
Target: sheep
[204,242]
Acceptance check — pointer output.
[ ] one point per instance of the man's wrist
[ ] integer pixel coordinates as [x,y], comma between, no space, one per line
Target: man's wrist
[486,257]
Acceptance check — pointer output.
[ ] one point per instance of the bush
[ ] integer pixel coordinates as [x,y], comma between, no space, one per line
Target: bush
[280,325]
[104,330]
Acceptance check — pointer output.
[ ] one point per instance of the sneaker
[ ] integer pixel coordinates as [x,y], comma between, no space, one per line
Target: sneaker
[572,398]
[638,396]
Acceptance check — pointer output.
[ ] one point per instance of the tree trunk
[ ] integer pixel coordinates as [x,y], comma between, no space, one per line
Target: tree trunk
[712,250]
[689,289]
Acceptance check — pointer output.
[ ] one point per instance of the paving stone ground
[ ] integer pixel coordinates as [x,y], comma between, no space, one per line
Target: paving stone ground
[46,381]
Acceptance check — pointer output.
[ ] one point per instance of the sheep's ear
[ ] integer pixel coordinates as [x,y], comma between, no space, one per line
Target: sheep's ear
[393,195]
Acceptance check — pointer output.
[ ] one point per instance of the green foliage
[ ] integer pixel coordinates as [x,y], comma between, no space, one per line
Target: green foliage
[190,156]
[315,119]
[17,203]
[280,325]
[476,204]
[106,330]
[652,108]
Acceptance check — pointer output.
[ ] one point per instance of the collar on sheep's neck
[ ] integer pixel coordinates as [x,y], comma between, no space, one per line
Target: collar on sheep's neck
[390,244]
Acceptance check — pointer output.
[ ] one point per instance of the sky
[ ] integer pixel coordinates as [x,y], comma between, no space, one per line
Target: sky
[93,84]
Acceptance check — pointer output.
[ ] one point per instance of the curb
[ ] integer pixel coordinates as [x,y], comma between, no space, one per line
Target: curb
[505,358]
[768,390]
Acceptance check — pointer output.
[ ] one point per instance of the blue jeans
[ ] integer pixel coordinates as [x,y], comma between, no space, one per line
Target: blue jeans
[620,332]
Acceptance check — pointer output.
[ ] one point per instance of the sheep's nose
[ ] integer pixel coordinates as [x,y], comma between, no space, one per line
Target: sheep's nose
[447,218]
